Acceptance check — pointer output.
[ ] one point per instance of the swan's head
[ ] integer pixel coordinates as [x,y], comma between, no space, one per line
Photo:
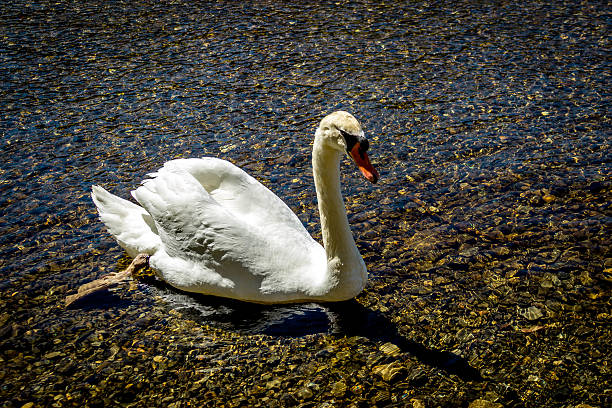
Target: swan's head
[341,131]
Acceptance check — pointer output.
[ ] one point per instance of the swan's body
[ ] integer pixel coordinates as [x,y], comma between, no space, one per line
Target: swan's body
[211,228]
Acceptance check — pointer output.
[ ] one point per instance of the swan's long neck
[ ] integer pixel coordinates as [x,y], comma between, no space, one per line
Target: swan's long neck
[346,270]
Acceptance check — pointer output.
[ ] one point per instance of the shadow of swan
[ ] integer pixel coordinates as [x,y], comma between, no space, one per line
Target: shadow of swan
[353,319]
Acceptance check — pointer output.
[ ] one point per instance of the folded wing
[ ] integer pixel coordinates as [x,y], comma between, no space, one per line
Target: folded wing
[222,229]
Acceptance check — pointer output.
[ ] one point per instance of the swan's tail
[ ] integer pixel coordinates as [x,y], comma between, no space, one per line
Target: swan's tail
[128,223]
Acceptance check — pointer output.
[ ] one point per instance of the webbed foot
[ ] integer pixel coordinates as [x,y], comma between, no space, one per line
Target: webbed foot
[108,281]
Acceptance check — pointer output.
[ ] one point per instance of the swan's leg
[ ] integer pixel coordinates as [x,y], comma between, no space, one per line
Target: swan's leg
[110,280]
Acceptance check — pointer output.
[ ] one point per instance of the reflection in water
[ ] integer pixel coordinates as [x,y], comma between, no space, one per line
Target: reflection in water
[249,318]
[348,318]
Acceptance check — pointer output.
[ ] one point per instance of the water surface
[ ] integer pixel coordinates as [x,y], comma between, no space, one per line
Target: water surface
[487,238]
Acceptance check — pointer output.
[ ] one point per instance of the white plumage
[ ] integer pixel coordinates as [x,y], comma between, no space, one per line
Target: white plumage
[211,228]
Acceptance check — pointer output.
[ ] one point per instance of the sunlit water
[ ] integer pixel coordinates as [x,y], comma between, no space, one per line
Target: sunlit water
[483,120]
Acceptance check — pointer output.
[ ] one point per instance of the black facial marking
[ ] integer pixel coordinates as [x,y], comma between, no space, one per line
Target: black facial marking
[351,140]
[364,145]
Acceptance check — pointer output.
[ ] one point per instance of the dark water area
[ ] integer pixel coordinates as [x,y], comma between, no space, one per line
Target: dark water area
[487,238]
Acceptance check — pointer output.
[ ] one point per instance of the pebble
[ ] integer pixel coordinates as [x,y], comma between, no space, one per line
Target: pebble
[390,349]
[304,393]
[483,403]
[388,372]
[417,403]
[532,313]
[338,389]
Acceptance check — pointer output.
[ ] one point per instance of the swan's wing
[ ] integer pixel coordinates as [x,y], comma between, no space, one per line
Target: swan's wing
[238,192]
[204,243]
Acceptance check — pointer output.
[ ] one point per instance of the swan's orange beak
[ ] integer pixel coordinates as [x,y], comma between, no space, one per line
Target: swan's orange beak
[362,160]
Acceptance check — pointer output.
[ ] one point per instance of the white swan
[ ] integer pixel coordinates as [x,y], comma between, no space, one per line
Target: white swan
[211,228]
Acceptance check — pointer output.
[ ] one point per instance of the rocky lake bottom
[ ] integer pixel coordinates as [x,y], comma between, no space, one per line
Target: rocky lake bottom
[487,238]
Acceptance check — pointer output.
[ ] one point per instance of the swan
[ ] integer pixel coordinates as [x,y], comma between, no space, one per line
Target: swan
[209,227]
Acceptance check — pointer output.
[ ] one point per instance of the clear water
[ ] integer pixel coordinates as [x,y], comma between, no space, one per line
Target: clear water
[483,119]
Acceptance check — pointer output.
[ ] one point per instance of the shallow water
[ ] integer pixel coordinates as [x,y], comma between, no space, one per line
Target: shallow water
[487,238]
